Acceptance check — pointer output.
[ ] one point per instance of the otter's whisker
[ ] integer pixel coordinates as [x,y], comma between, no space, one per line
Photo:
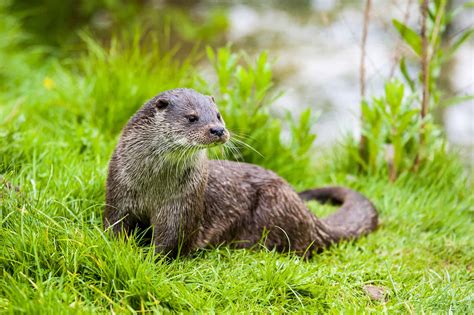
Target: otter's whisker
[247,146]
[234,150]
[236,153]
[242,136]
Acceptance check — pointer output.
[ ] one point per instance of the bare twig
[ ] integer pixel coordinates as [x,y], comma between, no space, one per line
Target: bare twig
[368,5]
[425,63]
[398,52]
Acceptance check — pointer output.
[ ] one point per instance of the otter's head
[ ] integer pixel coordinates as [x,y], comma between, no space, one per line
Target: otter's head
[187,119]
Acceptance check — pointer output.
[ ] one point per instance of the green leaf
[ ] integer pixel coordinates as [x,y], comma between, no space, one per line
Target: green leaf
[394,91]
[467,34]
[456,100]
[210,54]
[406,75]
[366,111]
[409,35]
[469,4]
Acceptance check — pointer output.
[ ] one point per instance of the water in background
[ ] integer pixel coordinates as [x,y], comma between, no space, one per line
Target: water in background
[316,48]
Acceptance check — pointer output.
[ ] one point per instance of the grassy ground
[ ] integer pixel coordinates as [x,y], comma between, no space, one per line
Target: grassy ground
[60,119]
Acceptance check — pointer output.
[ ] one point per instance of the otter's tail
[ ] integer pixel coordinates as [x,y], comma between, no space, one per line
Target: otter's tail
[357,216]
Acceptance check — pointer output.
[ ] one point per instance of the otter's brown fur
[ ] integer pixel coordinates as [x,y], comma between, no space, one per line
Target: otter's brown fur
[160,176]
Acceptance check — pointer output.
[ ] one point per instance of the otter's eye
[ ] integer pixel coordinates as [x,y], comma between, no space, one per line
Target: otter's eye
[192,118]
[219,116]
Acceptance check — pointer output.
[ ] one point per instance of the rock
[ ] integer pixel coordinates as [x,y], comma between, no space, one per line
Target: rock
[375,293]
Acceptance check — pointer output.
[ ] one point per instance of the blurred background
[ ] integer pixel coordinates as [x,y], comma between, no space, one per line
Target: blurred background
[314,44]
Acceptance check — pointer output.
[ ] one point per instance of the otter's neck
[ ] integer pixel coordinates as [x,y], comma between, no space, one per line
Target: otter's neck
[181,167]
[171,170]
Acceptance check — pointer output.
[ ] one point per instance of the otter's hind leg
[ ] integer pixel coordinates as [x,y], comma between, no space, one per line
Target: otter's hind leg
[281,220]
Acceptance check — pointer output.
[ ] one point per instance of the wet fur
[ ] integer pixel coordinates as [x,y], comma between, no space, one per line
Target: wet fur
[160,176]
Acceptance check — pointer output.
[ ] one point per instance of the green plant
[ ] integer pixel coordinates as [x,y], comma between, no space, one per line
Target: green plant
[399,131]
[440,49]
[392,124]
[243,91]
[70,16]
[112,83]
[106,18]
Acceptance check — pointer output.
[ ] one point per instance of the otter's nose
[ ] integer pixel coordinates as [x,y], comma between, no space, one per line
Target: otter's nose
[218,131]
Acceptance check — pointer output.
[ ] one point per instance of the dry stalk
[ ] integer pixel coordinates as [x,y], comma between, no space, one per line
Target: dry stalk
[398,51]
[363,140]
[425,62]
[368,5]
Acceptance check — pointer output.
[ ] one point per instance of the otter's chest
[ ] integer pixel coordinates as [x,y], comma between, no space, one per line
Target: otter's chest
[161,195]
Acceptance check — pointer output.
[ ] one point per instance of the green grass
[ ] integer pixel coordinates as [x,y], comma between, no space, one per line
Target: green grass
[59,122]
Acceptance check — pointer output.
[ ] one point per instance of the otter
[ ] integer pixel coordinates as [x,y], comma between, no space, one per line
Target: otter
[160,177]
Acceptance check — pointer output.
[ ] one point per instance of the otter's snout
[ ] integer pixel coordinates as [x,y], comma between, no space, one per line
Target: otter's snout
[219,134]
[217,131]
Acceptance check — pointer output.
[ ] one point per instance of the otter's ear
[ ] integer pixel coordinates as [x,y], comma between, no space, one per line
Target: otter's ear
[162,103]
[212,98]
